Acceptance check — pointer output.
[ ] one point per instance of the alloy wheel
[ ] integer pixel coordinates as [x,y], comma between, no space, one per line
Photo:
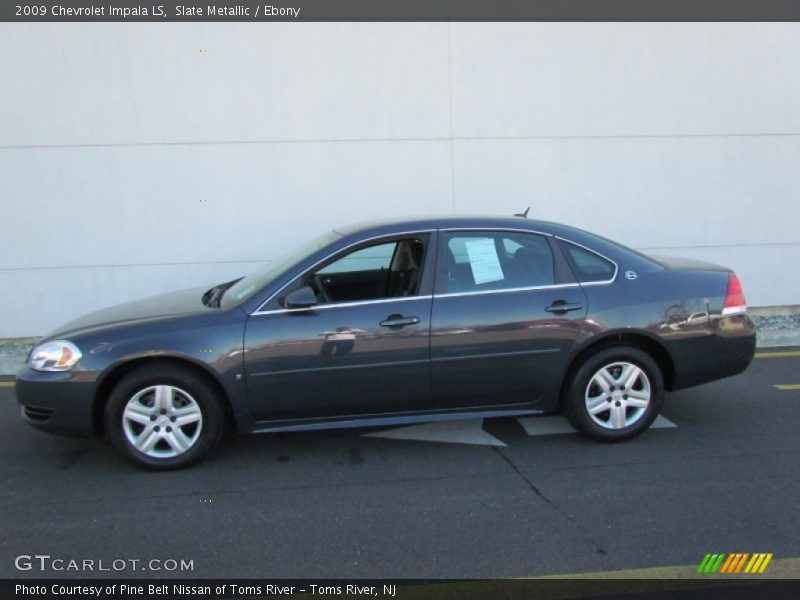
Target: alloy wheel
[162,421]
[618,395]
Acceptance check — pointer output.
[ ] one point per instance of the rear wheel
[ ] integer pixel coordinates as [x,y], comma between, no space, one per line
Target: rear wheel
[615,394]
[164,417]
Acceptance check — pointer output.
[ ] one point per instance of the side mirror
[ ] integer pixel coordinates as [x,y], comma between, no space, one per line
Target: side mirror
[300,298]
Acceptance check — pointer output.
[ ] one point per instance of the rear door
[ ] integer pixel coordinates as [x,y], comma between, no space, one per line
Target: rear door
[506,313]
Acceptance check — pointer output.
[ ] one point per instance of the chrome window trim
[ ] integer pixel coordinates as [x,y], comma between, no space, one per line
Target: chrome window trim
[342,304]
[603,256]
[489,229]
[508,290]
[258,311]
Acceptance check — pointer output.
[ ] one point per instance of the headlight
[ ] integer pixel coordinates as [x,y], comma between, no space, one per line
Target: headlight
[58,355]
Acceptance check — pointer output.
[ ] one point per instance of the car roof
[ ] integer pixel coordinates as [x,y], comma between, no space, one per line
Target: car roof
[389,226]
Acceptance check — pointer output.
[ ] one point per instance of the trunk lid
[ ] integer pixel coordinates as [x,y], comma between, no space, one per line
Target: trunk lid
[687,264]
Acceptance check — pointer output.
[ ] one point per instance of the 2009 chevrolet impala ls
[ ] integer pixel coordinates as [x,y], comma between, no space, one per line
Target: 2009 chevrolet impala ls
[392,323]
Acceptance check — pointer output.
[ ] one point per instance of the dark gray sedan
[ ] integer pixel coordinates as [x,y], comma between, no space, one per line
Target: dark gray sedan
[391,323]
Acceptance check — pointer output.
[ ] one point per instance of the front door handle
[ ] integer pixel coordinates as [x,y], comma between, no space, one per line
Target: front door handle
[561,307]
[398,321]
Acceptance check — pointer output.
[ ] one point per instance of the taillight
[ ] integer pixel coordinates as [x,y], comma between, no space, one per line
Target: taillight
[735,304]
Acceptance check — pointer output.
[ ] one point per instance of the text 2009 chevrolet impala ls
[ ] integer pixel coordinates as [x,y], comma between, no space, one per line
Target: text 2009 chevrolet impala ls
[394,323]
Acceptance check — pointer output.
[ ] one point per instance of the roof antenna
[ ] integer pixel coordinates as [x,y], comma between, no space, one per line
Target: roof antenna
[524,215]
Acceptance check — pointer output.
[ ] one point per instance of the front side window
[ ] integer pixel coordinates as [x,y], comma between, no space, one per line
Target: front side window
[371,258]
[382,270]
[478,261]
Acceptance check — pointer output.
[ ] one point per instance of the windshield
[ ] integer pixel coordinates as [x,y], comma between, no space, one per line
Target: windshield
[247,286]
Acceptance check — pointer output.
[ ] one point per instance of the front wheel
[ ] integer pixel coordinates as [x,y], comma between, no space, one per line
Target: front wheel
[163,417]
[615,394]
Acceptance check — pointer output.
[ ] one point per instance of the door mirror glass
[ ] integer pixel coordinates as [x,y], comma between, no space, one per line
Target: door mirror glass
[300,298]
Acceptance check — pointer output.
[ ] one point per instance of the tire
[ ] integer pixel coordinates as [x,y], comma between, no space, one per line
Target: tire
[597,402]
[186,427]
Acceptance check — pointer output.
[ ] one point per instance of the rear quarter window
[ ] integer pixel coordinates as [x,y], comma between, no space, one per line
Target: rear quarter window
[588,266]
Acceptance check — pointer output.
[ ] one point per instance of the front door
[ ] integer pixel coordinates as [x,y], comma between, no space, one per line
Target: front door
[363,349]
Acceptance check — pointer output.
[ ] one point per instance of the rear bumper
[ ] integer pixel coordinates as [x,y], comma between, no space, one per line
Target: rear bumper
[726,352]
[56,402]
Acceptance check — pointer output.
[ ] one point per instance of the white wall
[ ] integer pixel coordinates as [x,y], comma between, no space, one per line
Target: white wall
[140,158]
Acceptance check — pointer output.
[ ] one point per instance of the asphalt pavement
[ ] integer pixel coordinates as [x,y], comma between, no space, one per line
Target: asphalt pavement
[503,498]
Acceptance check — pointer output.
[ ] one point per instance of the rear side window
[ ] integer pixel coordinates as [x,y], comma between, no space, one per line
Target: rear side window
[489,260]
[587,265]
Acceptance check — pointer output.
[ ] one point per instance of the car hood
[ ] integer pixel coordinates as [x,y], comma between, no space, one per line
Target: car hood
[184,302]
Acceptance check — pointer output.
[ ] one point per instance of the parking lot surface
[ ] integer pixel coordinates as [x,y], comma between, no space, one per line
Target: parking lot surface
[504,498]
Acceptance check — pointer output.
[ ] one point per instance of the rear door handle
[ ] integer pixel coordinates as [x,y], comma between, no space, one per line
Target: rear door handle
[398,321]
[562,307]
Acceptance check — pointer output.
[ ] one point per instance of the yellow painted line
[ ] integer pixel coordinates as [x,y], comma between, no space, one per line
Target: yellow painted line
[788,386]
[786,354]
[6,384]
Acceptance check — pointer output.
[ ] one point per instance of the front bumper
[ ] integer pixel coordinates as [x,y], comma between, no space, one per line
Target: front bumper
[57,402]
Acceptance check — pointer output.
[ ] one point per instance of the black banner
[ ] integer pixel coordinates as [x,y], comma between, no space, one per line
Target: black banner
[400,10]
[711,588]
